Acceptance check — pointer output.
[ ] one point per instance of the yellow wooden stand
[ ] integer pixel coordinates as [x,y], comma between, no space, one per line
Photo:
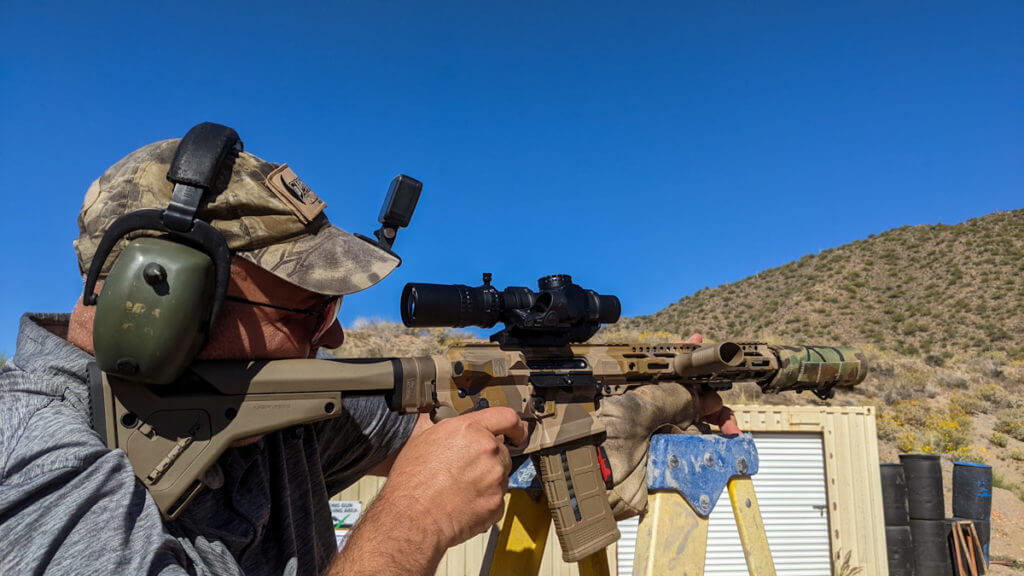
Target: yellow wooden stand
[672,538]
[524,533]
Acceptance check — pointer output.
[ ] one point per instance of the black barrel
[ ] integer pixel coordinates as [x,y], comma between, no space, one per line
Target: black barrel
[923,474]
[972,490]
[932,547]
[894,495]
[984,530]
[900,549]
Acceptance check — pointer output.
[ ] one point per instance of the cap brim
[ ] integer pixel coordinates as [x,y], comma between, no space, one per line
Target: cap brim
[331,261]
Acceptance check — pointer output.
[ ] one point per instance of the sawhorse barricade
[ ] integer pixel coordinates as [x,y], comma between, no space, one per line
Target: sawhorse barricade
[686,474]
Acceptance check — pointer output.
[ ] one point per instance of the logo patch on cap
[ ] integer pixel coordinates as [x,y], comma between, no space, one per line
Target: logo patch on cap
[286,185]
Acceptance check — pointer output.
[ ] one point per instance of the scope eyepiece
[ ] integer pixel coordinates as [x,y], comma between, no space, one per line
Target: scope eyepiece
[558,313]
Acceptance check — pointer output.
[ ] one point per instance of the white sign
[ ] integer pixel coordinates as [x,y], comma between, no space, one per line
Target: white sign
[345,513]
[341,536]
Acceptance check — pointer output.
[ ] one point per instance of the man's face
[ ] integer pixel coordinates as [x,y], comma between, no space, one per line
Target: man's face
[266,317]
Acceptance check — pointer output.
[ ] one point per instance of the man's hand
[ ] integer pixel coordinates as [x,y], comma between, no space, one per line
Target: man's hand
[447,485]
[631,419]
[712,409]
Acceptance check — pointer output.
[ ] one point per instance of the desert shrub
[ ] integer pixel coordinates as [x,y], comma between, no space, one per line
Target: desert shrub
[913,412]
[1000,481]
[994,394]
[952,426]
[906,442]
[999,439]
[970,453]
[1017,455]
[934,360]
[989,366]
[888,428]
[951,380]
[969,403]
[1011,422]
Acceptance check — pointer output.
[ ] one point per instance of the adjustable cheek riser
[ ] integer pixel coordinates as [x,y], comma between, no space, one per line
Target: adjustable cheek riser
[153,313]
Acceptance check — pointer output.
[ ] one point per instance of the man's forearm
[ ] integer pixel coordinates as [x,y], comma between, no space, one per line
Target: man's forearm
[395,536]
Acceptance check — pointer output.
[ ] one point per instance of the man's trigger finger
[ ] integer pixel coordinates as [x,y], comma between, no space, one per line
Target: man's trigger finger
[730,426]
[500,421]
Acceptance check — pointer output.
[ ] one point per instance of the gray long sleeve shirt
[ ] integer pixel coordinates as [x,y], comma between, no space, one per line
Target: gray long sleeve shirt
[69,505]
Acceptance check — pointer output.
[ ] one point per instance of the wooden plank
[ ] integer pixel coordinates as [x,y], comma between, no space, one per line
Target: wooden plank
[877,517]
[855,452]
[832,490]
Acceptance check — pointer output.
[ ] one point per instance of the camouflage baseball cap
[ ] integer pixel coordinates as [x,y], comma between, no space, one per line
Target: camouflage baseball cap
[266,213]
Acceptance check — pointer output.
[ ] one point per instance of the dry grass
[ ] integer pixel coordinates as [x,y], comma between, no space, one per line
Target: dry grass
[376,338]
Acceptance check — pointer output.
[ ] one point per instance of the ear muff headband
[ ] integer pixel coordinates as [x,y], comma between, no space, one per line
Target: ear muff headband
[198,162]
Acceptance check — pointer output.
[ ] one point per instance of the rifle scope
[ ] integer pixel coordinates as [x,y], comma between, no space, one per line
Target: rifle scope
[557,306]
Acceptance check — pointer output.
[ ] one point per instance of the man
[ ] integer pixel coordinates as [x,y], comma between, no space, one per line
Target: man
[70,505]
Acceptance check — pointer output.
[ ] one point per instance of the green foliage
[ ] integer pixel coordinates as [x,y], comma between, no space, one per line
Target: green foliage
[1011,422]
[1000,481]
[969,403]
[999,439]
[994,395]
[970,453]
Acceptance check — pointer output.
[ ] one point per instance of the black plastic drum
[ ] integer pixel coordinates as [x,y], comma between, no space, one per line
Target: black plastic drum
[923,474]
[900,550]
[894,495]
[932,547]
[972,490]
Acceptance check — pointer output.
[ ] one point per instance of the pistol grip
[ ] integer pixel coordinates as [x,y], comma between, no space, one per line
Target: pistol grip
[575,490]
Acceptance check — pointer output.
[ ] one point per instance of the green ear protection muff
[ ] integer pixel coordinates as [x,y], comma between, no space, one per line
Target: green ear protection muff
[163,294]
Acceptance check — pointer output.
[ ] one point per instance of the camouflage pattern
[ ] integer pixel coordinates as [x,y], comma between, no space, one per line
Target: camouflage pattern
[616,395]
[257,224]
[475,376]
[816,368]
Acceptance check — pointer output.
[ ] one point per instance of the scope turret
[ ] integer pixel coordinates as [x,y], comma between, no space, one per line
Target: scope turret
[558,313]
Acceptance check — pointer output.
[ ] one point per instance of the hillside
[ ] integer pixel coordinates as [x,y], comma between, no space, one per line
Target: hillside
[916,290]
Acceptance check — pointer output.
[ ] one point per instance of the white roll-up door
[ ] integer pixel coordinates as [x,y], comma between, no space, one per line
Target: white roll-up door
[627,545]
[790,487]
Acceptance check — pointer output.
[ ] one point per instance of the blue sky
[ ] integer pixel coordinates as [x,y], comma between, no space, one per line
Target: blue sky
[649,150]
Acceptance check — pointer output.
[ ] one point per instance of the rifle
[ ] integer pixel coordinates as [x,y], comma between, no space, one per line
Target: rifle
[538,365]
